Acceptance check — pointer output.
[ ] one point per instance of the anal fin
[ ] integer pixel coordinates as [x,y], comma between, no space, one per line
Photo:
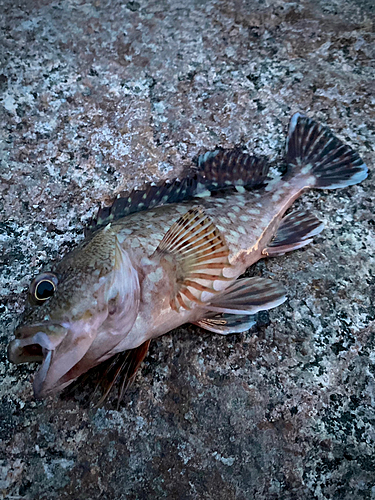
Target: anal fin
[226,324]
[295,231]
[247,296]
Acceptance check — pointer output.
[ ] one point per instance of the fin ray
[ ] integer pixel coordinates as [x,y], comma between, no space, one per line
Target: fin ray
[226,324]
[295,231]
[216,170]
[200,255]
[248,296]
[120,369]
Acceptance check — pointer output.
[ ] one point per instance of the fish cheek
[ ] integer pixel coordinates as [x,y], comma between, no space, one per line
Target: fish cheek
[69,352]
[84,301]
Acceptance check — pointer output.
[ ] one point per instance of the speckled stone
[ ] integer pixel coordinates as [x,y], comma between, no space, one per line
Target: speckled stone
[99,96]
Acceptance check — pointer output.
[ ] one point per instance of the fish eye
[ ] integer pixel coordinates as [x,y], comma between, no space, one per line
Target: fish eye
[43,287]
[44,290]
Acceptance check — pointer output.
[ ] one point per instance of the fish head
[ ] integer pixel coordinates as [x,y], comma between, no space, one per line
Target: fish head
[89,300]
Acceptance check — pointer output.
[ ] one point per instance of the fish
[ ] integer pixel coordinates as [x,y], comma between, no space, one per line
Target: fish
[173,253]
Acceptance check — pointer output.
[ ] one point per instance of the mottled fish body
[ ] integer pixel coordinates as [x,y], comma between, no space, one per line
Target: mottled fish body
[141,274]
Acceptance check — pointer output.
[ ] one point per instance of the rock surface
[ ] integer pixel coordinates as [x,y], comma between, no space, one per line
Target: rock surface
[102,95]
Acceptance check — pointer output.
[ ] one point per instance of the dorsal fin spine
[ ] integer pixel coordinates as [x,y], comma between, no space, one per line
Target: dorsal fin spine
[217,170]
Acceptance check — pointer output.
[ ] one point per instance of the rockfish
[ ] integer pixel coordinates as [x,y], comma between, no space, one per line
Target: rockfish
[172,254]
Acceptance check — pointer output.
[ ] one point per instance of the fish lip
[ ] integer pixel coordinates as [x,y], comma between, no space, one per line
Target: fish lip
[40,377]
[25,332]
[57,346]
[24,348]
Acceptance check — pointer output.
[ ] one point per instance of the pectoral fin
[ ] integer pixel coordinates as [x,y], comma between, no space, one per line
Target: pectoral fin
[226,324]
[247,296]
[196,254]
[295,231]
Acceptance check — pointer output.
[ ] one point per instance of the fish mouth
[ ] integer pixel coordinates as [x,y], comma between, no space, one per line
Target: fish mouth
[58,347]
[36,343]
[30,344]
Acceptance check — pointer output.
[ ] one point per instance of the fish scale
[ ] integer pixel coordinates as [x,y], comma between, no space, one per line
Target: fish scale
[148,229]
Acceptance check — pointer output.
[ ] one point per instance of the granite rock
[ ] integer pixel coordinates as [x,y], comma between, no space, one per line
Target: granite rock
[98,96]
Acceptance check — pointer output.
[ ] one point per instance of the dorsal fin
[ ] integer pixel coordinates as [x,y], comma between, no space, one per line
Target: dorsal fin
[216,170]
[231,167]
[196,253]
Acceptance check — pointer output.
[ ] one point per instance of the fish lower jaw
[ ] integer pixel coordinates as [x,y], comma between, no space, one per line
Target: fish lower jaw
[40,377]
[42,388]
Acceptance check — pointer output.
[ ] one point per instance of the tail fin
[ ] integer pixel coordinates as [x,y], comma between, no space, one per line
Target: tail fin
[316,152]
